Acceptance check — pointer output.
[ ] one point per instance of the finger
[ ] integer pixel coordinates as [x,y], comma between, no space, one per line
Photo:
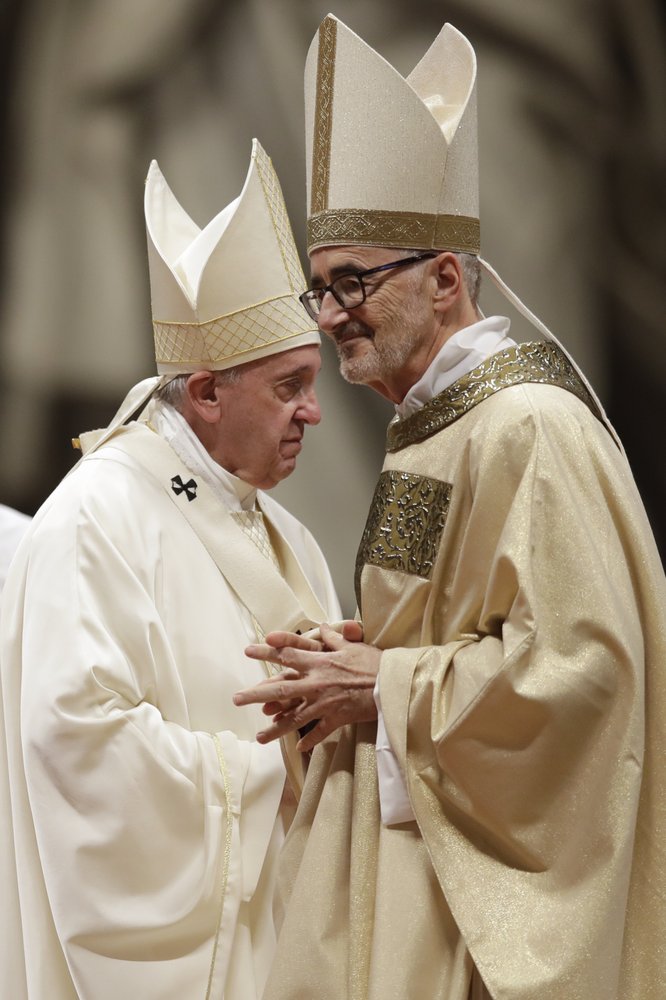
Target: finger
[273,732]
[314,736]
[262,651]
[293,640]
[281,726]
[301,661]
[275,707]
[270,690]
[332,638]
[352,631]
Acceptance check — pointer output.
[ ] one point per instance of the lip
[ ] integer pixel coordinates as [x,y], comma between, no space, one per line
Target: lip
[347,337]
[294,443]
[342,340]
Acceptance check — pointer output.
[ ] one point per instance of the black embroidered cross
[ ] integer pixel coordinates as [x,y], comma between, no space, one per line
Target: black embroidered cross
[189,488]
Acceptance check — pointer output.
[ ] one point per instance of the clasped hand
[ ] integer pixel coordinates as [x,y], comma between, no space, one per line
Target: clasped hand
[329,679]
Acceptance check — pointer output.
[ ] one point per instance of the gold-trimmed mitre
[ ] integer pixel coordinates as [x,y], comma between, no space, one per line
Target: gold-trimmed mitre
[391,161]
[228,293]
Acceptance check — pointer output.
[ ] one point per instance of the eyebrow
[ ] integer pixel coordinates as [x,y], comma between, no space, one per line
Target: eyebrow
[294,372]
[337,272]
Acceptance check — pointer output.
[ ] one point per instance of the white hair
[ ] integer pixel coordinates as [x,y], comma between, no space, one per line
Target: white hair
[174,392]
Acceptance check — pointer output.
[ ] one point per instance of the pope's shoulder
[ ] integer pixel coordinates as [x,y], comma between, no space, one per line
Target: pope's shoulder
[106,491]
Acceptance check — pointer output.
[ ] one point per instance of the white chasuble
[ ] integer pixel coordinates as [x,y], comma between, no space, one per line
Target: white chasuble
[508,571]
[141,821]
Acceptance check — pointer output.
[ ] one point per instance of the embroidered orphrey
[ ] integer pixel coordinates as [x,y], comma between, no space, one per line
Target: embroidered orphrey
[535,362]
[406,519]
[323,124]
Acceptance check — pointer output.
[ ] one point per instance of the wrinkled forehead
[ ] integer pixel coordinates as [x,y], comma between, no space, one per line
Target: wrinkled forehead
[327,262]
[303,361]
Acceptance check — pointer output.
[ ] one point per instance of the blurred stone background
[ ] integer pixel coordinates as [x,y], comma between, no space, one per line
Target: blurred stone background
[573,156]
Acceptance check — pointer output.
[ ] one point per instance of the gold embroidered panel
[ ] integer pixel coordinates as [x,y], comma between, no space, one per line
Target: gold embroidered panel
[323,124]
[541,362]
[417,230]
[404,526]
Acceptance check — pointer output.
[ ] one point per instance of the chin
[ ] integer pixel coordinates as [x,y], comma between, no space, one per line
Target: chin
[358,371]
[286,468]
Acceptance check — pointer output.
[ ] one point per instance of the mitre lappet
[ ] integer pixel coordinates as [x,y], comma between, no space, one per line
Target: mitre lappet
[223,295]
[392,161]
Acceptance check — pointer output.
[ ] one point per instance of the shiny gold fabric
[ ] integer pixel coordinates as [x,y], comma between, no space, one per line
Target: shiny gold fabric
[523,693]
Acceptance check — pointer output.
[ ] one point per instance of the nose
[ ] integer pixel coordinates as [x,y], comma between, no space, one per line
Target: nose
[331,314]
[309,411]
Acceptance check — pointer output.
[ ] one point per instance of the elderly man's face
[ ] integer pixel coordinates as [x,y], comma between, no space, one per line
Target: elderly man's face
[374,340]
[264,415]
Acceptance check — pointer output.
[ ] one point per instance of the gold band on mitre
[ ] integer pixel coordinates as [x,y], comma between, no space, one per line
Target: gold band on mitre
[411,230]
[234,338]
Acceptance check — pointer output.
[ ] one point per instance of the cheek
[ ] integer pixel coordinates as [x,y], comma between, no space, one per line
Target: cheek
[391,309]
[276,431]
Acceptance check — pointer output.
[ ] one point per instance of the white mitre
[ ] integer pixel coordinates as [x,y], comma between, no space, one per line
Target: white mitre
[391,161]
[222,295]
[226,294]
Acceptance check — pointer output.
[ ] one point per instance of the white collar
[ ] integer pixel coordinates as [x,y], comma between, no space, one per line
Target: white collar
[172,426]
[463,351]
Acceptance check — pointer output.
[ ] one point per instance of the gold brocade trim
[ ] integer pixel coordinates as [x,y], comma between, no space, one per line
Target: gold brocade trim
[231,335]
[534,362]
[226,858]
[280,220]
[323,123]
[404,526]
[411,230]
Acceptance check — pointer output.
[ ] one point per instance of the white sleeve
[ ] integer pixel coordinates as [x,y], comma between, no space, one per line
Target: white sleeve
[393,796]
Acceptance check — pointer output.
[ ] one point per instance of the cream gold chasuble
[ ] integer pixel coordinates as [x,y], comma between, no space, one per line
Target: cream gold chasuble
[140,820]
[508,569]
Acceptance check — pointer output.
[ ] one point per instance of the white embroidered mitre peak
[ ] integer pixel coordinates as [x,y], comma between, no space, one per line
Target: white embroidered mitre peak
[391,161]
[228,293]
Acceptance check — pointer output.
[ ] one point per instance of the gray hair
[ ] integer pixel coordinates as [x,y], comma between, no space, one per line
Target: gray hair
[471,270]
[174,392]
[470,267]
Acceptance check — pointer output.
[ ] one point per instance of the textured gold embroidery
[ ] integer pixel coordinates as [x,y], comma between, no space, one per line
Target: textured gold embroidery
[417,230]
[232,335]
[535,362]
[321,146]
[281,225]
[405,522]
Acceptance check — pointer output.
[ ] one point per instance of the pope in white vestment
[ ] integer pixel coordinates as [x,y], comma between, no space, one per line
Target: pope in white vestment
[141,821]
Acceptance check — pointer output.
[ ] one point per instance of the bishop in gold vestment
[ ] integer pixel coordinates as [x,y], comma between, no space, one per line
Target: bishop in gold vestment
[511,677]
[509,574]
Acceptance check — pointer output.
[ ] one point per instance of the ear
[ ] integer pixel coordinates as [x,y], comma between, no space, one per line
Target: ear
[203,396]
[450,282]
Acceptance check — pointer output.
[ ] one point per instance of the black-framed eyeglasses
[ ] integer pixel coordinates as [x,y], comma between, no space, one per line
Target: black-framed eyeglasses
[348,290]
